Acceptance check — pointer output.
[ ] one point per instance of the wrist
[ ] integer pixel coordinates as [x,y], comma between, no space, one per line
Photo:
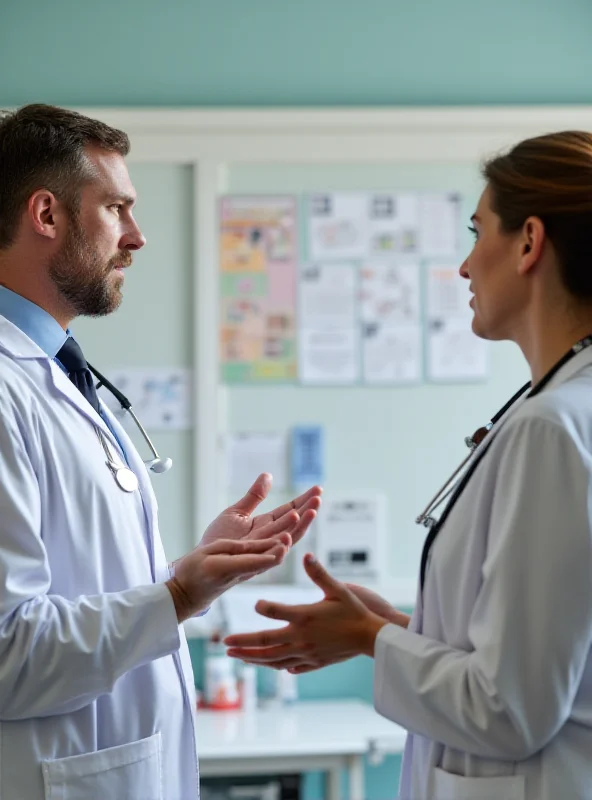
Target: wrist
[180,598]
[370,628]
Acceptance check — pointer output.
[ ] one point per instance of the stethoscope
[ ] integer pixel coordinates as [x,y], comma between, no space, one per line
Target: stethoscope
[451,491]
[124,477]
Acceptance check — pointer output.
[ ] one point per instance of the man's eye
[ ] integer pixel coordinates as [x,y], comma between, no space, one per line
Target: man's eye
[117,206]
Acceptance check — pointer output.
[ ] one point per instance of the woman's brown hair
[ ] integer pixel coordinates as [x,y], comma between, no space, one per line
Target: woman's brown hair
[550,177]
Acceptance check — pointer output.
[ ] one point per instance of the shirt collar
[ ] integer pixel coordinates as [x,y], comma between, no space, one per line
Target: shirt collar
[32,320]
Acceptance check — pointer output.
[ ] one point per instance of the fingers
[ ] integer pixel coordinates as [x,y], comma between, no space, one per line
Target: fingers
[256,494]
[272,611]
[252,564]
[284,612]
[286,523]
[243,546]
[281,663]
[323,580]
[301,503]
[270,640]
[263,655]
[306,518]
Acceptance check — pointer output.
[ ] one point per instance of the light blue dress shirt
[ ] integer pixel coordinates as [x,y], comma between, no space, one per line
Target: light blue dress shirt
[39,326]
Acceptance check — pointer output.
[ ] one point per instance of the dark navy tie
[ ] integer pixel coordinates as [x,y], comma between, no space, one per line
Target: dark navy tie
[70,355]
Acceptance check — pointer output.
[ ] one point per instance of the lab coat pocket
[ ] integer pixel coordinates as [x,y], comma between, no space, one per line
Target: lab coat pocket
[128,772]
[455,787]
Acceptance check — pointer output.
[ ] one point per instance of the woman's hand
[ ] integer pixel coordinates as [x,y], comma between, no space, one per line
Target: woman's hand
[335,629]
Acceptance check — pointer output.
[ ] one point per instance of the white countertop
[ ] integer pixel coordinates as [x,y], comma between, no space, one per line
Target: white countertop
[306,728]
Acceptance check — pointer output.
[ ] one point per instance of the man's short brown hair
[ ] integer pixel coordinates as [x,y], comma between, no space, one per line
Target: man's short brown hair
[42,147]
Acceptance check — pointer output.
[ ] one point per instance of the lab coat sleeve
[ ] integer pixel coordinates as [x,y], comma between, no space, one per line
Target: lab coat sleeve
[58,655]
[530,629]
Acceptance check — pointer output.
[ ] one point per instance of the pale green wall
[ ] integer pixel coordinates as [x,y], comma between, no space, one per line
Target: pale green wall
[309,52]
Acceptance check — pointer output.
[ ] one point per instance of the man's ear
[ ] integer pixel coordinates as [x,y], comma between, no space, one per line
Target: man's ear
[44,212]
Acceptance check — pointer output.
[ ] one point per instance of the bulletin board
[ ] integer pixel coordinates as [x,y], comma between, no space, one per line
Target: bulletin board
[345,288]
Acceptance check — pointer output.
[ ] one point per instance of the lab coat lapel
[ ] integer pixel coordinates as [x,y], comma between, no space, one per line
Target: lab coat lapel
[71,393]
[145,487]
[66,388]
[574,365]
[19,347]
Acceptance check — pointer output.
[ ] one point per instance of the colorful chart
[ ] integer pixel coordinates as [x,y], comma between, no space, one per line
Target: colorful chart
[258,260]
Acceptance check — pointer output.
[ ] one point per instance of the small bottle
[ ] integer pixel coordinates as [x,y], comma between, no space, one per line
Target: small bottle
[220,683]
[249,688]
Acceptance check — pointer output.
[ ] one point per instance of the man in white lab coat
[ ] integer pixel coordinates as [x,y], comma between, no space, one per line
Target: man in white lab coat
[492,675]
[96,686]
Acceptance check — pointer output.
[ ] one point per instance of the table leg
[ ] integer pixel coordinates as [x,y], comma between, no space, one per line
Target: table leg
[355,766]
[333,783]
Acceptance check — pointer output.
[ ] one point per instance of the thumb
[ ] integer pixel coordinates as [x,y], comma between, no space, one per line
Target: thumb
[318,573]
[256,494]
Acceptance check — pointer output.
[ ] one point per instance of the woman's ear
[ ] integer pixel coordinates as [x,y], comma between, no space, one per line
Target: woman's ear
[531,241]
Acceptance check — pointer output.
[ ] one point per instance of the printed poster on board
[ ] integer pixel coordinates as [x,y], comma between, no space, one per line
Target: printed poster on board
[258,261]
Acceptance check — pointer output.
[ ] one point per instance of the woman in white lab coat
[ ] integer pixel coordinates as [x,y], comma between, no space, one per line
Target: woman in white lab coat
[492,675]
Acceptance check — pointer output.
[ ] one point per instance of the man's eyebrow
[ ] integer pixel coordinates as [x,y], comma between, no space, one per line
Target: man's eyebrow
[124,199]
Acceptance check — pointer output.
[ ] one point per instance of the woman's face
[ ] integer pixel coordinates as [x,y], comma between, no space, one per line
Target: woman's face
[492,267]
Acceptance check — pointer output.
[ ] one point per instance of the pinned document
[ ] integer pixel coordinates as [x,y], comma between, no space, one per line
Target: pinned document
[307,455]
[249,454]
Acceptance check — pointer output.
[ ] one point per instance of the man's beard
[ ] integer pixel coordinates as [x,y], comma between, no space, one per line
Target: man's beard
[82,278]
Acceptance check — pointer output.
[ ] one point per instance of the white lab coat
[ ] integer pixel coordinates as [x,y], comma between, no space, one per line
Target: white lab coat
[96,687]
[493,678]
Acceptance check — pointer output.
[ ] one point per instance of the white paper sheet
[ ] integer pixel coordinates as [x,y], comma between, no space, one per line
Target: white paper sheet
[248,454]
[454,352]
[390,293]
[160,396]
[391,323]
[391,355]
[393,227]
[440,225]
[327,297]
[328,357]
[329,332]
[337,226]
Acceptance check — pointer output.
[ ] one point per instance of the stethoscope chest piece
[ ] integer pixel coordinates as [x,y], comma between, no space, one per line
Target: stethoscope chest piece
[124,477]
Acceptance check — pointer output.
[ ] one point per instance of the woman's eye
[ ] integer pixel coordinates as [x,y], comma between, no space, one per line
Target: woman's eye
[473,231]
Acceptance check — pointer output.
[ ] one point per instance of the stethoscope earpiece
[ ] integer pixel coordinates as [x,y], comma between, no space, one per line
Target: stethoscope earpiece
[159,465]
